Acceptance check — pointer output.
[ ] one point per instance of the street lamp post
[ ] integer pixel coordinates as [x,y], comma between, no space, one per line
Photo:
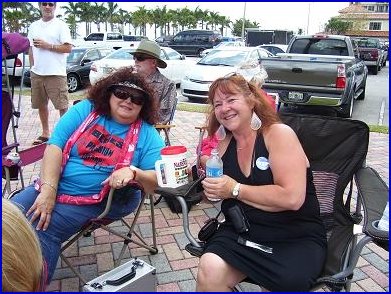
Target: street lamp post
[244,20]
[308,17]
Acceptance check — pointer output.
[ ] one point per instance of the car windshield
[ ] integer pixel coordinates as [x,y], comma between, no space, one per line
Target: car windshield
[224,57]
[121,54]
[368,43]
[75,56]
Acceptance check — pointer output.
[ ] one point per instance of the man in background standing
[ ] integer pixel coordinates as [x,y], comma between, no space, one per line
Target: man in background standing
[147,60]
[51,41]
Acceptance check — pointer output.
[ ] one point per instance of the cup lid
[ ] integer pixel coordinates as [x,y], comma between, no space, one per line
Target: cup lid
[173,150]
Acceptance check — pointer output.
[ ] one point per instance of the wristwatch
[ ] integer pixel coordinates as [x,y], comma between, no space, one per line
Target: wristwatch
[235,191]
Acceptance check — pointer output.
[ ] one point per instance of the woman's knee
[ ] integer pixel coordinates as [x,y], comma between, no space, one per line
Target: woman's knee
[25,198]
[210,268]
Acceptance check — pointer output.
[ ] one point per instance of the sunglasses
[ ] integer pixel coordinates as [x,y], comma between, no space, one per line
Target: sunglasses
[50,4]
[141,57]
[124,95]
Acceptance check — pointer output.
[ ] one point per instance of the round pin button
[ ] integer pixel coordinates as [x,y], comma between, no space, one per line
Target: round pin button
[262,163]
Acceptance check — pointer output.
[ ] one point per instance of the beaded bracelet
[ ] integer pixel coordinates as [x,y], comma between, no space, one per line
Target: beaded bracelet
[50,185]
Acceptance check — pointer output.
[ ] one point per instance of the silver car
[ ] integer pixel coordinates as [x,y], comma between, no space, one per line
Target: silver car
[218,63]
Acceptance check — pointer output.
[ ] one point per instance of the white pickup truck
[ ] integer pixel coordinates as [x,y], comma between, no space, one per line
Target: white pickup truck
[111,40]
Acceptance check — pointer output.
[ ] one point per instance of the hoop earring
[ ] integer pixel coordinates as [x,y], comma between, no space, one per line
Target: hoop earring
[256,122]
[221,133]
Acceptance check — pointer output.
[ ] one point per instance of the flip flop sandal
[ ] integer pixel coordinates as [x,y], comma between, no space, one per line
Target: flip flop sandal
[40,140]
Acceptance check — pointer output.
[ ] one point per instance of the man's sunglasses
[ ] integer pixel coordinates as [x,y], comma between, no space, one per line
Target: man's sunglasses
[141,57]
[50,4]
[123,95]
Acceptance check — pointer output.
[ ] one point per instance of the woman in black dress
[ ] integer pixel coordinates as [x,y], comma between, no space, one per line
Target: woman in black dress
[267,178]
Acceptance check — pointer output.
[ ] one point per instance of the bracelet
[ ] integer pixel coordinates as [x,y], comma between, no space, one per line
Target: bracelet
[50,185]
[133,169]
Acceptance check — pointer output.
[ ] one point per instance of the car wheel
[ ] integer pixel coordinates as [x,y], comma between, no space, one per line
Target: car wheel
[73,83]
[385,63]
[347,109]
[362,95]
[199,51]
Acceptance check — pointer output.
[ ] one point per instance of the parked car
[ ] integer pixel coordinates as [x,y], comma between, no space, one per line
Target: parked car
[177,64]
[223,44]
[274,48]
[18,62]
[111,40]
[218,63]
[372,54]
[193,42]
[134,38]
[163,40]
[79,63]
[318,71]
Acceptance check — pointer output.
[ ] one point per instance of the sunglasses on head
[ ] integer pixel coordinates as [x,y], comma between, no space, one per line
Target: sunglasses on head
[124,95]
[141,57]
[50,4]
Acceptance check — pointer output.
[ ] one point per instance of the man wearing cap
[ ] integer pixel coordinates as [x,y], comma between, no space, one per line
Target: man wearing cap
[147,60]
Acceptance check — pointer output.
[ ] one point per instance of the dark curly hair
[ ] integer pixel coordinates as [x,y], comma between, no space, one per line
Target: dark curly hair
[100,94]
[235,84]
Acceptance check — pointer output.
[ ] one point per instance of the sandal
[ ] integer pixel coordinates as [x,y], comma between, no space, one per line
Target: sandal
[40,140]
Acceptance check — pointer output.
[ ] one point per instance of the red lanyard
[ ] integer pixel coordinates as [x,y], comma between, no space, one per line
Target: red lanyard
[126,157]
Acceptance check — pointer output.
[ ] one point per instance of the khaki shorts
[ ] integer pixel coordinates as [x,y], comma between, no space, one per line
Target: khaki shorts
[45,88]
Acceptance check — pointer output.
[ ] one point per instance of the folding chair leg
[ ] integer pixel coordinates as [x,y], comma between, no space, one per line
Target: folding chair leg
[72,268]
[140,242]
[7,186]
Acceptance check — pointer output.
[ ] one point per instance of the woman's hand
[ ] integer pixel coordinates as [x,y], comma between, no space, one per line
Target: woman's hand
[120,177]
[42,208]
[218,188]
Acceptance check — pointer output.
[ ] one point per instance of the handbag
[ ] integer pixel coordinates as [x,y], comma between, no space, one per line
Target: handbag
[210,227]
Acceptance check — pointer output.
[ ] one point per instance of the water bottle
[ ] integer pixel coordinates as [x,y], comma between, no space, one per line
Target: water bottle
[214,168]
[383,223]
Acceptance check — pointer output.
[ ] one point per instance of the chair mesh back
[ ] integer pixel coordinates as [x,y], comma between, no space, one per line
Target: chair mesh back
[336,149]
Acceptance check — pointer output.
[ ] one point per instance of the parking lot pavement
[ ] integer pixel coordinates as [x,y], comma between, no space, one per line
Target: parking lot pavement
[177,269]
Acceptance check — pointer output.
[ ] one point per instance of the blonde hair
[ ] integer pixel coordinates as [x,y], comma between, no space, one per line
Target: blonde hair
[22,263]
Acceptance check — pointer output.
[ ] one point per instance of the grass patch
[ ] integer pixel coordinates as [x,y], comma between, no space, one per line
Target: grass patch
[378,129]
[192,107]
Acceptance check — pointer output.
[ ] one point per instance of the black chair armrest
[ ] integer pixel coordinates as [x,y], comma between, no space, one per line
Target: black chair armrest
[373,192]
[131,184]
[181,191]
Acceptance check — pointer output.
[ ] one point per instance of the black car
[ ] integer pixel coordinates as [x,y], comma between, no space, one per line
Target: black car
[193,42]
[78,66]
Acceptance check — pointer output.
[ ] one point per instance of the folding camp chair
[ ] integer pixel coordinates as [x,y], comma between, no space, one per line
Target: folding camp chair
[12,170]
[165,128]
[336,149]
[103,222]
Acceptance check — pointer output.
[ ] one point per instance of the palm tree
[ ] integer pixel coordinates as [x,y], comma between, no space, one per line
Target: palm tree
[141,18]
[100,12]
[72,13]
[112,9]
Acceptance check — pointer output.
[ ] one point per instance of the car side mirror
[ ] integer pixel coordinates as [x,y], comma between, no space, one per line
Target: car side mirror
[84,61]
[183,57]
[85,38]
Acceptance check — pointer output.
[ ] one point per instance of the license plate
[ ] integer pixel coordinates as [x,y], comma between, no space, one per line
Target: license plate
[295,96]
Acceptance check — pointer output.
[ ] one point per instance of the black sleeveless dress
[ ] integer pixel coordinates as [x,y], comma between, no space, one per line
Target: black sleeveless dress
[297,238]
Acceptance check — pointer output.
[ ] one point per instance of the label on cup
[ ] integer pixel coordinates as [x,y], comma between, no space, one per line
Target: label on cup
[171,170]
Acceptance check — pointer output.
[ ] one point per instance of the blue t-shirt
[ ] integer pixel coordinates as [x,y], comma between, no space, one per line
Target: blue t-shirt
[95,153]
